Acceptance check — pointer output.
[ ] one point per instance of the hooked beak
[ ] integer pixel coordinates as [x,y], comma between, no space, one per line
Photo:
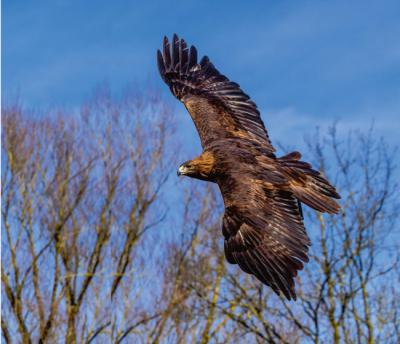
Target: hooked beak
[181,171]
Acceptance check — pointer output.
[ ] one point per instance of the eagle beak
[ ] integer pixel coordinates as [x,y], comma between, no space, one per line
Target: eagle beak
[181,170]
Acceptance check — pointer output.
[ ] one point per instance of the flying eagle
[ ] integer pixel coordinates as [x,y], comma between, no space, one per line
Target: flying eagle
[263,223]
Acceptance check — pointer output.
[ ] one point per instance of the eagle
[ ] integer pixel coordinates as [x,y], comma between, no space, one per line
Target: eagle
[263,221]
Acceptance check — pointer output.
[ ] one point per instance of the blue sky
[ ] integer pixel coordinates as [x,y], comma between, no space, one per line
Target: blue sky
[305,63]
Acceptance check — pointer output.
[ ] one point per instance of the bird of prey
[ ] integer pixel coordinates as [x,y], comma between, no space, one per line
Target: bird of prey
[263,223]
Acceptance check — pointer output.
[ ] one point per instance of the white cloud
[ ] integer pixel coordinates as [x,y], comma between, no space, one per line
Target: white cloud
[289,126]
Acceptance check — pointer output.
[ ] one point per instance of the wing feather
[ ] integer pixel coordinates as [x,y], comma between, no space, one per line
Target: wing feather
[227,112]
[264,234]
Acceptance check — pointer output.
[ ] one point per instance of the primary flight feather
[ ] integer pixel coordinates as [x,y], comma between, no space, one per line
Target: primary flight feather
[263,224]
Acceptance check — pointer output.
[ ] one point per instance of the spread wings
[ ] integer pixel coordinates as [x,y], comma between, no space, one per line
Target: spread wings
[263,228]
[264,232]
[218,107]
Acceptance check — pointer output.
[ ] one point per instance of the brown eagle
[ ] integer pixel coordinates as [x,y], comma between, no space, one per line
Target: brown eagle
[263,223]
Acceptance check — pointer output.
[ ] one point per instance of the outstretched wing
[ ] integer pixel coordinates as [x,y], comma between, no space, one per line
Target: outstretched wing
[218,107]
[264,233]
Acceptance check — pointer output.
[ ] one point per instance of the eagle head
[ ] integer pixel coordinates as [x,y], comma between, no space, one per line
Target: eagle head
[198,168]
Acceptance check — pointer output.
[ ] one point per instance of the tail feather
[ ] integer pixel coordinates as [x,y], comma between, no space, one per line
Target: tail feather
[308,185]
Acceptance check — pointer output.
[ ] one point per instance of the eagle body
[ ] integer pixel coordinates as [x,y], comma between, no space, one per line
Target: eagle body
[262,224]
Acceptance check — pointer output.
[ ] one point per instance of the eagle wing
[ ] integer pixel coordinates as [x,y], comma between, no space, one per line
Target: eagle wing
[218,107]
[264,232]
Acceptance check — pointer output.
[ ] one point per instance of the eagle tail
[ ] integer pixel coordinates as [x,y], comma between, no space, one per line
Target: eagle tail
[308,185]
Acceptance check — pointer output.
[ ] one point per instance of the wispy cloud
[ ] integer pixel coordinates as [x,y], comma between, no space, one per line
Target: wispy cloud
[289,127]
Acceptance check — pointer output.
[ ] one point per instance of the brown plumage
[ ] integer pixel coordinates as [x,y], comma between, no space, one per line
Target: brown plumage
[262,225]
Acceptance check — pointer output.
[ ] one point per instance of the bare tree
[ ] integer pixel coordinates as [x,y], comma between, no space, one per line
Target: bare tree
[79,191]
[91,253]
